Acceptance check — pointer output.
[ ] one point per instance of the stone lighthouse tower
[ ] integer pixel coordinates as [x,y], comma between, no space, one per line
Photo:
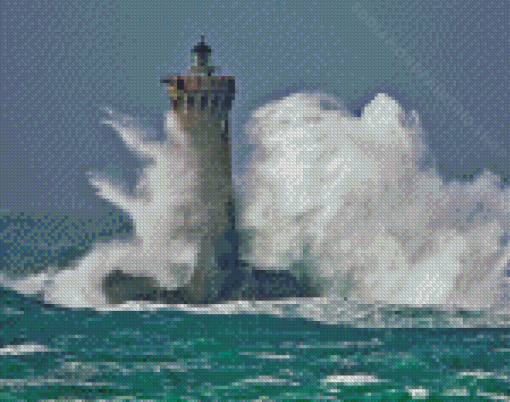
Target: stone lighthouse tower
[200,103]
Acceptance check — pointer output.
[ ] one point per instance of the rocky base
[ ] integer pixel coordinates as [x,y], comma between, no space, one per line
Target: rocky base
[252,284]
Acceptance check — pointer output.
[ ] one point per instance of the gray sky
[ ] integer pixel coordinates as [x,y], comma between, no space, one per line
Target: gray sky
[62,61]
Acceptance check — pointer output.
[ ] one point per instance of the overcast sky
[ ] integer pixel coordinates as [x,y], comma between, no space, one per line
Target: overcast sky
[61,61]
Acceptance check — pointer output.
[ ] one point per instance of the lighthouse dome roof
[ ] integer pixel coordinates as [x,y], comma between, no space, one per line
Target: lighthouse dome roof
[201,47]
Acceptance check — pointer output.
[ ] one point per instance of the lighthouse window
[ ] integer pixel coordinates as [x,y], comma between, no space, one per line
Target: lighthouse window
[191,100]
[180,85]
[204,102]
[214,102]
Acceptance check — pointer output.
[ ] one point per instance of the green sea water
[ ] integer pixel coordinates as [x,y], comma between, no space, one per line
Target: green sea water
[250,352]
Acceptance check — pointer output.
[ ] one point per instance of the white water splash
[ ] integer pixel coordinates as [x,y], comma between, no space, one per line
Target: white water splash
[346,196]
[172,228]
[334,196]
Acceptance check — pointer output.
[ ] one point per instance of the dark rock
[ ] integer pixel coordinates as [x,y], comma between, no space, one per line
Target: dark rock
[256,284]
[120,287]
[272,285]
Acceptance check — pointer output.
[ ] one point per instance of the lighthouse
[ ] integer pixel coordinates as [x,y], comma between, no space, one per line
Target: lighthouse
[201,103]
[201,98]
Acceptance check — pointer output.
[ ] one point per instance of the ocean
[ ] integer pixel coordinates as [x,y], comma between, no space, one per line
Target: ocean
[251,351]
